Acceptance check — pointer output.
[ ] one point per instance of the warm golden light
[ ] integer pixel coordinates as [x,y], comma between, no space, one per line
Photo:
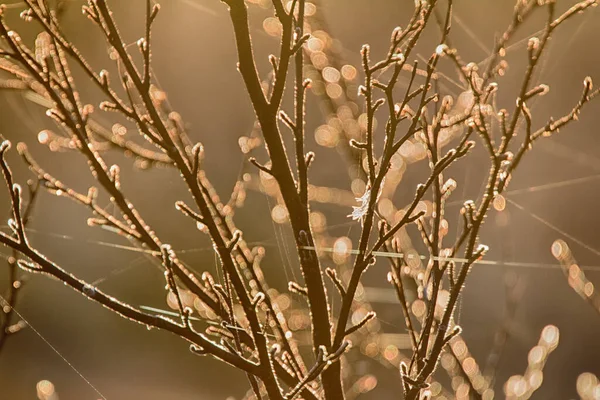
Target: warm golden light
[46,390]
[279,214]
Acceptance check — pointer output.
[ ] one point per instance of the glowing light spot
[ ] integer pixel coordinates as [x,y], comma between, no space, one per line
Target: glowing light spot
[349,72]
[441,49]
[390,352]
[319,60]
[516,386]
[550,336]
[44,137]
[187,298]
[172,301]
[157,95]
[331,74]
[478,381]
[418,308]
[326,136]
[201,227]
[537,354]
[317,221]
[470,366]
[587,385]
[310,9]
[358,187]
[371,350]
[279,214]
[460,348]
[283,301]
[462,393]
[560,249]
[499,203]
[46,391]
[442,301]
[315,44]
[334,90]
[368,383]
[272,26]
[435,388]
[448,362]
[535,379]
[341,249]
[574,271]
[119,130]
[386,207]
[456,382]
[488,395]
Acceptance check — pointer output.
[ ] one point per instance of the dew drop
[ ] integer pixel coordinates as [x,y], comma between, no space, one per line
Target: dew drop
[89,290]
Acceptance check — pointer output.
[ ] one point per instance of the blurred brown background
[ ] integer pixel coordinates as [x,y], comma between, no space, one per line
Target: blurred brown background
[195,62]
